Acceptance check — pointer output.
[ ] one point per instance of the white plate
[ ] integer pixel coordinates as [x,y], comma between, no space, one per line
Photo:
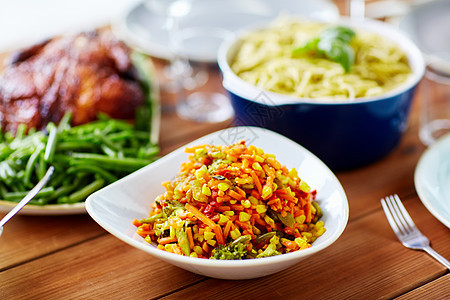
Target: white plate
[53,209]
[432,179]
[115,206]
[142,27]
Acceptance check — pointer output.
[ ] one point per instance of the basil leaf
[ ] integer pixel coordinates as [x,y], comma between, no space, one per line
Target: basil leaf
[333,44]
[337,51]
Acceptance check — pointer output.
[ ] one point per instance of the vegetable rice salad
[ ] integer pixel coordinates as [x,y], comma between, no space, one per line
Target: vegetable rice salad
[233,202]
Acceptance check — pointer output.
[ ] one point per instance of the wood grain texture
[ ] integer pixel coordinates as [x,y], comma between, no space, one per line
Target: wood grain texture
[101,268]
[25,238]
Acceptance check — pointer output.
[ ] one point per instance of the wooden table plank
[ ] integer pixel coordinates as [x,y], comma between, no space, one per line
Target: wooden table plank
[437,289]
[28,237]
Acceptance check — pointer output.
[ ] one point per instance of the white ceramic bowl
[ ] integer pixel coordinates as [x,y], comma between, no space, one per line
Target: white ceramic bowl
[115,206]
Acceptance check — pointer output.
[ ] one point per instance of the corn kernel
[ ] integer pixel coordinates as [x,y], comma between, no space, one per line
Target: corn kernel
[256,166]
[198,237]
[266,192]
[233,201]
[193,254]
[206,190]
[228,213]
[301,242]
[319,224]
[320,231]
[246,203]
[253,200]
[223,220]
[209,235]
[198,250]
[200,151]
[259,159]
[256,230]
[304,186]
[244,217]
[223,186]
[211,242]
[235,234]
[261,209]
[307,234]
[300,219]
[269,221]
[293,173]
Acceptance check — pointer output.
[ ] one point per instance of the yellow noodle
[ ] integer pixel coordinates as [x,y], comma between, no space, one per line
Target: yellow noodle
[265,60]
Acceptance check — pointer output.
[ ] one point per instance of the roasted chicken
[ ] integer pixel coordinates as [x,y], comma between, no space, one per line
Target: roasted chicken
[87,73]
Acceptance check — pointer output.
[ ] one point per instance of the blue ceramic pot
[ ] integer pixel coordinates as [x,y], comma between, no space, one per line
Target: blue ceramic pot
[343,134]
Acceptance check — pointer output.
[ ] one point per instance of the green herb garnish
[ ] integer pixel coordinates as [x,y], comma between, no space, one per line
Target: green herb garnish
[333,44]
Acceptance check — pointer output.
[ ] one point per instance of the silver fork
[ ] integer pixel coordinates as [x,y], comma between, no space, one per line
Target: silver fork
[405,229]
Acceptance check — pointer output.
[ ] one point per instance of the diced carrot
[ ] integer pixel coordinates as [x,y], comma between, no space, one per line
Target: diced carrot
[290,244]
[243,225]
[167,240]
[205,247]
[202,217]
[219,235]
[227,229]
[235,195]
[192,149]
[308,212]
[223,208]
[145,232]
[137,223]
[256,181]
[238,207]
[241,192]
[177,250]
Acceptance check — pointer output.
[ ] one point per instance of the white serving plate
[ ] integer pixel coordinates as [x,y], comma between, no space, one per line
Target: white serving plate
[432,179]
[115,206]
[144,28]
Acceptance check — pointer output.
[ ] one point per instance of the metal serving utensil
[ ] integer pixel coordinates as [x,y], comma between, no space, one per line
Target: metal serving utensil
[31,194]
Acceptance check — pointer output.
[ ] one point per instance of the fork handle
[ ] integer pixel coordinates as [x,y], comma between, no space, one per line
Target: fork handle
[437,256]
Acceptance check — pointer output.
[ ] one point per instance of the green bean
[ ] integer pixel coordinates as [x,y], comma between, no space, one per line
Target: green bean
[42,167]
[92,169]
[3,190]
[119,164]
[21,130]
[265,236]
[64,124]
[107,141]
[51,143]
[12,196]
[83,193]
[108,151]
[74,146]
[30,164]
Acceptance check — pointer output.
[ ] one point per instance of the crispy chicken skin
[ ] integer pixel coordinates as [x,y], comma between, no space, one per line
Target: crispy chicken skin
[86,73]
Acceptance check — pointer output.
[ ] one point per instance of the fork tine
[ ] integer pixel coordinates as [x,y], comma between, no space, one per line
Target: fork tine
[395,215]
[395,205]
[389,216]
[405,213]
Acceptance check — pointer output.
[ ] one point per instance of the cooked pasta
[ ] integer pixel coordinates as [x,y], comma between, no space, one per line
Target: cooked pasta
[265,60]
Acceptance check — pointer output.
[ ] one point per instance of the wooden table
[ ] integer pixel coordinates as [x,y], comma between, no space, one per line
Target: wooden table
[71,257]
